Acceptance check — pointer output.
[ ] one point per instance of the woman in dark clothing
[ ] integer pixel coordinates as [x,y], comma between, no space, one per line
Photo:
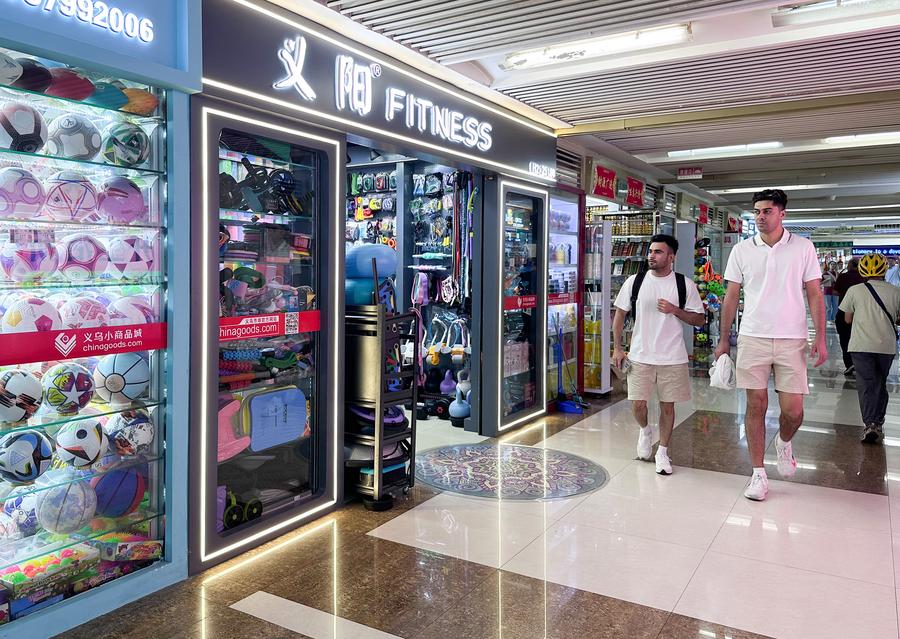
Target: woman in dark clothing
[845,280]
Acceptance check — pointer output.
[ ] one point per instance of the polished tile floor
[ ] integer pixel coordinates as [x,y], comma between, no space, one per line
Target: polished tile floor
[644,556]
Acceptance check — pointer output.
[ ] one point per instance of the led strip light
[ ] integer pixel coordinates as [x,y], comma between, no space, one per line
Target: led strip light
[506,186]
[205,327]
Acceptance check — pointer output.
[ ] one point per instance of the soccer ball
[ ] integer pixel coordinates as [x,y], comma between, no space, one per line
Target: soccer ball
[10,70]
[66,508]
[73,136]
[125,144]
[30,314]
[7,299]
[70,197]
[105,296]
[121,201]
[24,456]
[131,432]
[22,128]
[21,507]
[81,443]
[130,257]
[20,396]
[131,310]
[120,379]
[68,388]
[21,194]
[82,257]
[28,262]
[83,312]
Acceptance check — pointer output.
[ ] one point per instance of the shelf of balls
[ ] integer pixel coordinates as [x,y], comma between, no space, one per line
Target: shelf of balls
[32,160]
[48,285]
[51,421]
[17,552]
[97,111]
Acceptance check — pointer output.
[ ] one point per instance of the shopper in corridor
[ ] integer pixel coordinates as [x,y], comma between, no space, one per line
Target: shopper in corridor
[775,268]
[844,282]
[662,300]
[871,309]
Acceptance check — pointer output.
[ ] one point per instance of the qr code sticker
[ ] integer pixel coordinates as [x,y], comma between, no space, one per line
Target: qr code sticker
[291,323]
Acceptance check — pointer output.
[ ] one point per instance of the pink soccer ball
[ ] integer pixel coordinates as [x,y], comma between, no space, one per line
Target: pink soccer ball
[130,258]
[133,309]
[31,314]
[105,296]
[70,197]
[83,312]
[121,201]
[21,194]
[82,257]
[28,261]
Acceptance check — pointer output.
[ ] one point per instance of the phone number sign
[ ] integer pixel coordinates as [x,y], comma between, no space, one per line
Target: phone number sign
[103,15]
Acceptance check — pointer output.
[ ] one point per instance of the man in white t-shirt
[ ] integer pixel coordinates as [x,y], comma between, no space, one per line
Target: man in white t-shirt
[780,273]
[658,355]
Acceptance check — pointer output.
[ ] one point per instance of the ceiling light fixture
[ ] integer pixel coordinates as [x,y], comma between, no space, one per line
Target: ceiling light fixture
[830,11]
[870,218]
[734,149]
[870,207]
[884,137]
[791,187]
[598,47]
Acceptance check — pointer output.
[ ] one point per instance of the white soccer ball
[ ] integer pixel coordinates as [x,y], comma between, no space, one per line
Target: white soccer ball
[133,309]
[20,396]
[82,257]
[74,136]
[30,314]
[83,312]
[81,443]
[10,70]
[130,258]
[28,262]
[70,197]
[21,194]
[22,128]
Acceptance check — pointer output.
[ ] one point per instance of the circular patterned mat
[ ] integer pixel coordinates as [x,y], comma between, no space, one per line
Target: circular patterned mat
[508,471]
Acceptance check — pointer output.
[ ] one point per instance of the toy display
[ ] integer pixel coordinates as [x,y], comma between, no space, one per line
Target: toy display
[82,190]
[712,292]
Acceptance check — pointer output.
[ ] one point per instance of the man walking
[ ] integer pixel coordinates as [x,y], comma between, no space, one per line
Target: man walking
[892,276]
[775,269]
[660,300]
[844,282]
[872,309]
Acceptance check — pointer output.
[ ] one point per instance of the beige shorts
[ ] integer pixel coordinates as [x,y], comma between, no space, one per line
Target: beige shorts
[672,382]
[757,357]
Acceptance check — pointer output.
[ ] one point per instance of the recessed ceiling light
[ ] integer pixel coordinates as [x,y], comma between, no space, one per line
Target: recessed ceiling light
[734,149]
[885,137]
[830,10]
[791,187]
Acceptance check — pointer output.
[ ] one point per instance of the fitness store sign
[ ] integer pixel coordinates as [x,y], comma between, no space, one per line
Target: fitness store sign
[258,51]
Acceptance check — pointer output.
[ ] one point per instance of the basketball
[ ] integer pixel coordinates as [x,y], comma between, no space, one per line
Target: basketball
[64,509]
[119,491]
[122,378]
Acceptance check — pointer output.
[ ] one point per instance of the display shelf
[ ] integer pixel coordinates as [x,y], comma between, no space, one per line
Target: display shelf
[262,379]
[42,223]
[31,161]
[236,217]
[76,106]
[563,265]
[369,440]
[564,233]
[45,285]
[50,420]
[260,161]
[28,548]
[85,474]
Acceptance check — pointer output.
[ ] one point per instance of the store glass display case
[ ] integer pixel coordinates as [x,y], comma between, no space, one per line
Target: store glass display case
[83,333]
[563,299]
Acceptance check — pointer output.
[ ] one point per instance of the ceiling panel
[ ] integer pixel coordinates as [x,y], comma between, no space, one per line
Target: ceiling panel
[846,65]
[457,30]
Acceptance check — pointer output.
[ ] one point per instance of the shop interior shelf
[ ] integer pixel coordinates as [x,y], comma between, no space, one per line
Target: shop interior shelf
[262,379]
[263,162]
[626,258]
[563,265]
[273,261]
[363,193]
[507,375]
[564,232]
[369,440]
[22,550]
[370,490]
[555,365]
[49,420]
[32,160]
[76,106]
[243,218]
[84,475]
[45,285]
[524,207]
[42,223]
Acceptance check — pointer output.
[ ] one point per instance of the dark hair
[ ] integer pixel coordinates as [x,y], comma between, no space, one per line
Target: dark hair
[666,239]
[778,197]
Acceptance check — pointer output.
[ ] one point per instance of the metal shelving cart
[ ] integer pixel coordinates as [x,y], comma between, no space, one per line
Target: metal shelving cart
[381,381]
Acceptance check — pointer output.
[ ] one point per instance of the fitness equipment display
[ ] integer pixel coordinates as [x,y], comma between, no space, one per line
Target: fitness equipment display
[83,288]
[266,432]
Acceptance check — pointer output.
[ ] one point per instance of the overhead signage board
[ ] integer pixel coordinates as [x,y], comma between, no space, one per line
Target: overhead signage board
[259,51]
[886,250]
[690,173]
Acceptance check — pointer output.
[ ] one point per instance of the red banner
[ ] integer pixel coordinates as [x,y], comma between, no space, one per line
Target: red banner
[703,218]
[519,302]
[735,224]
[555,299]
[635,196]
[272,325]
[49,346]
[605,184]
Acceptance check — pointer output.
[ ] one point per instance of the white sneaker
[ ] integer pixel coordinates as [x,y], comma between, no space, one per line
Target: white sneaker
[787,465]
[645,443]
[757,489]
[663,465]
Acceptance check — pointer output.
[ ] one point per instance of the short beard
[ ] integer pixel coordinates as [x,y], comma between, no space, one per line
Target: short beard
[659,266]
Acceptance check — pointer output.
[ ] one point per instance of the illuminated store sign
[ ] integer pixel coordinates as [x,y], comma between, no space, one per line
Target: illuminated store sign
[99,14]
[321,76]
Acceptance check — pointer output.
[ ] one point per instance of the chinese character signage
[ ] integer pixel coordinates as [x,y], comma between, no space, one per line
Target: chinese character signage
[605,183]
[703,217]
[50,346]
[273,325]
[635,195]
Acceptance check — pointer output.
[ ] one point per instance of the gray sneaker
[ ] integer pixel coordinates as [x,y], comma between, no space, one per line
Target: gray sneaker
[873,434]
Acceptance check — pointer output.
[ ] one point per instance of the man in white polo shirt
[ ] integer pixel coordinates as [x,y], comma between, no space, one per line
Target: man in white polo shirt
[661,300]
[777,270]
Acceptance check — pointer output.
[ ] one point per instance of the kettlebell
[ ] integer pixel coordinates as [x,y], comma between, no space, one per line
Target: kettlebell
[433,380]
[463,382]
[448,386]
[459,410]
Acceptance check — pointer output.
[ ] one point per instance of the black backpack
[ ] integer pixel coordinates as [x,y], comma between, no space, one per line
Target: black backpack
[638,282]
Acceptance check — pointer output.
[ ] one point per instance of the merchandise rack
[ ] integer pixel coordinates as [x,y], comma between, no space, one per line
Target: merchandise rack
[373,334]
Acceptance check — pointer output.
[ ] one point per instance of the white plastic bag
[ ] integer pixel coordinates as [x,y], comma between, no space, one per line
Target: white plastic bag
[721,373]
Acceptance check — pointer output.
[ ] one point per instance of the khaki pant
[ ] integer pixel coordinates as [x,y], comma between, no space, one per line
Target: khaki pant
[672,382]
[758,357]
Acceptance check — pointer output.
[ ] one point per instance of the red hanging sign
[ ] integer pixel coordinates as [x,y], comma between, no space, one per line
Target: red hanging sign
[703,218]
[271,325]
[555,299]
[635,196]
[50,346]
[519,302]
[605,183]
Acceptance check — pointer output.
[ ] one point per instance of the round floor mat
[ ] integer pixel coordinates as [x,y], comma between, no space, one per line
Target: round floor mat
[508,471]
